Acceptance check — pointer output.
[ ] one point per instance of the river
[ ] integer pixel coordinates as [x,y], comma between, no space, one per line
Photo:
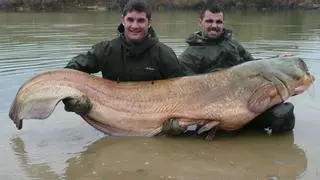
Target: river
[65,147]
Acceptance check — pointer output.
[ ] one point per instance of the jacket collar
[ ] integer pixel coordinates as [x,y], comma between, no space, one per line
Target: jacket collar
[135,49]
[197,38]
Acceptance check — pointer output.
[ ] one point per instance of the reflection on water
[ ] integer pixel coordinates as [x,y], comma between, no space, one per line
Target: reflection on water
[163,158]
[65,147]
[40,170]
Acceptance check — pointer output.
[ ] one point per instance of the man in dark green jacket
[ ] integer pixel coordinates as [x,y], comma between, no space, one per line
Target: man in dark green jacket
[205,55]
[135,55]
[214,48]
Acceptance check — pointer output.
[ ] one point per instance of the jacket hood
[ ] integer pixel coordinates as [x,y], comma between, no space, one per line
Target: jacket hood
[197,38]
[135,49]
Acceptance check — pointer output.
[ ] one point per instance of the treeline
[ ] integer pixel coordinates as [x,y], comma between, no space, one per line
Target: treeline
[101,5]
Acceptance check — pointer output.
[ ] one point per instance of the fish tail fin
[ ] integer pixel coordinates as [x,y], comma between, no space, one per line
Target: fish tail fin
[14,114]
[37,109]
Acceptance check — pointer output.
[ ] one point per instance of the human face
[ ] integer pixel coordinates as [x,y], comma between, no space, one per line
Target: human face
[136,26]
[212,24]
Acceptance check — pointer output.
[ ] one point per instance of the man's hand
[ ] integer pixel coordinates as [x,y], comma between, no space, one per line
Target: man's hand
[80,105]
[172,127]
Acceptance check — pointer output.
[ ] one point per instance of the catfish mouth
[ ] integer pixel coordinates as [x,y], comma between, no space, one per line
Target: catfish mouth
[306,81]
[303,84]
[298,86]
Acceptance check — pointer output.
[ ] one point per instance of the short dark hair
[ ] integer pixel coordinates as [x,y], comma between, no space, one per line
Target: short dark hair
[137,5]
[214,8]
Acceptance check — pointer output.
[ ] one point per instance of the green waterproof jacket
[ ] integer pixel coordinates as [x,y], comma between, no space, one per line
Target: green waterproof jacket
[205,55]
[119,60]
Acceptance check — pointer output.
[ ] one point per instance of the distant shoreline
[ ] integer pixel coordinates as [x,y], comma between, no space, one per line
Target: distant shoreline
[162,5]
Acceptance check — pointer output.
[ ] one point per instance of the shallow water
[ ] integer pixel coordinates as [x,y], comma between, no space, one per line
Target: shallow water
[65,147]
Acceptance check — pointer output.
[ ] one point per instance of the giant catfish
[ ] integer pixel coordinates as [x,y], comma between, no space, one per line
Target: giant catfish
[225,100]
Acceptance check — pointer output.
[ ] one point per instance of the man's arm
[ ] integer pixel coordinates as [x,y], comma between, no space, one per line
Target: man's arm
[244,54]
[88,62]
[169,64]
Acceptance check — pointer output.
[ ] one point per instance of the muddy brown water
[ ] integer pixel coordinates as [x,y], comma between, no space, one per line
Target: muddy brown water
[65,147]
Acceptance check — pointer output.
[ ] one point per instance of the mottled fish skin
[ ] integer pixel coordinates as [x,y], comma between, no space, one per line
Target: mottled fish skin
[232,97]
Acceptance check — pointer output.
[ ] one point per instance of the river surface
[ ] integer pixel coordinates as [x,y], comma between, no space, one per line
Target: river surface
[63,146]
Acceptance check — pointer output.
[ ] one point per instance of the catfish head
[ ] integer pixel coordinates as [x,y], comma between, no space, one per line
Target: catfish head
[293,74]
[284,77]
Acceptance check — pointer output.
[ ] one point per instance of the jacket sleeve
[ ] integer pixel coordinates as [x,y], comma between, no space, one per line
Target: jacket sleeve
[168,63]
[244,54]
[89,62]
[190,61]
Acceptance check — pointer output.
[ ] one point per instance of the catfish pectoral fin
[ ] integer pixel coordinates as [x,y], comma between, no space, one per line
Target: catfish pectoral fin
[275,77]
[260,99]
